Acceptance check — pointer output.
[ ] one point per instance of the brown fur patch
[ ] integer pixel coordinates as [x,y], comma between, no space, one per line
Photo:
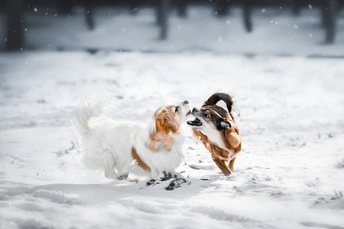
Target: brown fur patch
[140,163]
[165,122]
[231,138]
[219,110]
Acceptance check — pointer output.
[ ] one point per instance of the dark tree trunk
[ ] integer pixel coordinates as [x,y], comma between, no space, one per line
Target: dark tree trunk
[182,8]
[247,15]
[331,10]
[221,7]
[323,13]
[15,33]
[296,7]
[162,17]
[134,6]
[158,13]
[89,16]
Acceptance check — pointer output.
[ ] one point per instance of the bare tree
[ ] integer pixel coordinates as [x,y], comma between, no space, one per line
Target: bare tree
[296,8]
[181,8]
[89,8]
[162,17]
[247,14]
[15,33]
[221,7]
[330,11]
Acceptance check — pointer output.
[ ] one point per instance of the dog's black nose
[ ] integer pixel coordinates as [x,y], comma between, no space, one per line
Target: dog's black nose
[185,102]
[194,110]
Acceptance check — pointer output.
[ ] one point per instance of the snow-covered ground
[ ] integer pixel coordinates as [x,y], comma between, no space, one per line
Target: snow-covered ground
[275,31]
[290,110]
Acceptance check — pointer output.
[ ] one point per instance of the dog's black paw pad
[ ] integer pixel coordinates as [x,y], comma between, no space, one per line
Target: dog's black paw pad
[152,182]
[175,184]
[167,176]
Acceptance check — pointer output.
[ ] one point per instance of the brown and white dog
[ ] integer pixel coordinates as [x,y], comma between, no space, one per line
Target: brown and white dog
[122,148]
[216,128]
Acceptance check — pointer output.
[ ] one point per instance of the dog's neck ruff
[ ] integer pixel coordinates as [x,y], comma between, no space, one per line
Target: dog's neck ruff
[160,139]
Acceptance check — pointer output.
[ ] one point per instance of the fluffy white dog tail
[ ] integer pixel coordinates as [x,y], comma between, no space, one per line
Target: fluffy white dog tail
[91,108]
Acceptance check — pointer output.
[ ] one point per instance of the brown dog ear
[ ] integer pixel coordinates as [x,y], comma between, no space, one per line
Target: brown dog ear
[171,124]
[165,123]
[215,98]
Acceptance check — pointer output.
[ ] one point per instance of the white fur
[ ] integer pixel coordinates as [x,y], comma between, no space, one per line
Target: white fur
[213,134]
[107,144]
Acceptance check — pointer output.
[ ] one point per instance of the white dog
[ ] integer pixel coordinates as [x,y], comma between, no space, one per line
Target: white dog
[122,148]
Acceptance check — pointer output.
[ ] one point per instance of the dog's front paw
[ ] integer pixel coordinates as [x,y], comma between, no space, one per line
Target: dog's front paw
[170,175]
[176,183]
[167,176]
[152,182]
[123,176]
[227,172]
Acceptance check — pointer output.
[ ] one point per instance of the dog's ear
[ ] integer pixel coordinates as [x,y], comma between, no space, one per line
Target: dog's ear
[225,125]
[215,98]
[164,122]
[159,115]
[170,123]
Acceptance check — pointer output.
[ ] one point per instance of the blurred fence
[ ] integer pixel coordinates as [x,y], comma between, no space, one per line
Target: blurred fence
[15,11]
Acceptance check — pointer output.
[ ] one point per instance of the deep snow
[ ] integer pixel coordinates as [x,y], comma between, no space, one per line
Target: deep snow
[290,111]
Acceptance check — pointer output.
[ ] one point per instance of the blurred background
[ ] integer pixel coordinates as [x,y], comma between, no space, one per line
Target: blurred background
[248,27]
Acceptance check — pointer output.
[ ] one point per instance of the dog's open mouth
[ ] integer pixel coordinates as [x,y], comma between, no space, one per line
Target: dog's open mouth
[194,122]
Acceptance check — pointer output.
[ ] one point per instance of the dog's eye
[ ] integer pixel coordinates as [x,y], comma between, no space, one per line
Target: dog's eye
[206,116]
[176,110]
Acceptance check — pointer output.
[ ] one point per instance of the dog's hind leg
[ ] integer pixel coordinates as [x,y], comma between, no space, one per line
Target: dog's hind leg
[222,166]
[109,166]
[231,164]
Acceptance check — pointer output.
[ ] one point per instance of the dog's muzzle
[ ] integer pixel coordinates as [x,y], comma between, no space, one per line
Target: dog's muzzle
[195,122]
